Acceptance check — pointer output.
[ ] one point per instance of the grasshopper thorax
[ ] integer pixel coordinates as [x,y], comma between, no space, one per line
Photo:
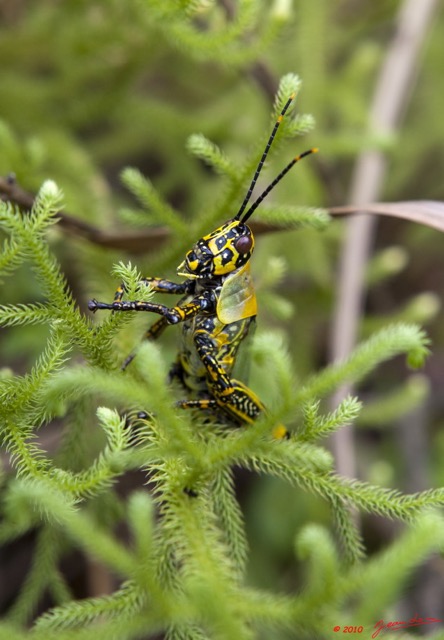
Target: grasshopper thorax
[219,253]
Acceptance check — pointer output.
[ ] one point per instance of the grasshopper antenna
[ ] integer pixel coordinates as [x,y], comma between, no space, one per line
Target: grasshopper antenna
[264,156]
[278,178]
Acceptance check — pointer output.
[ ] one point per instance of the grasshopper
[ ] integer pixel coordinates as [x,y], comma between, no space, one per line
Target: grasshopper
[217,309]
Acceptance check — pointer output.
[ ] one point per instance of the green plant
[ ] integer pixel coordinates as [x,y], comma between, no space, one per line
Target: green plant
[183,571]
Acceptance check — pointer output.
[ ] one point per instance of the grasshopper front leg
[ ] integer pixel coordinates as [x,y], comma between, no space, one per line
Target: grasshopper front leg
[203,302]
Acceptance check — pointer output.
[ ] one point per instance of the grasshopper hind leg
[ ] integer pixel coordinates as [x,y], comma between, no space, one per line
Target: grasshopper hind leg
[152,333]
[232,396]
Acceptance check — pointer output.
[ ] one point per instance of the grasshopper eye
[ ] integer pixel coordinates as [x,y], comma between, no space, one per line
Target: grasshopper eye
[243,244]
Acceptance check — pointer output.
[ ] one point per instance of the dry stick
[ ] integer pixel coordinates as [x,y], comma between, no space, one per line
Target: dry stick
[427,212]
[390,99]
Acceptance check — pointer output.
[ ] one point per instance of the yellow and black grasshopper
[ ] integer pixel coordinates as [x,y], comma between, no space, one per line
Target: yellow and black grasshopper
[216,311]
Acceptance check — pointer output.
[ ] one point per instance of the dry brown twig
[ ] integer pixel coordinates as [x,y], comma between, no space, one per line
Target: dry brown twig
[427,212]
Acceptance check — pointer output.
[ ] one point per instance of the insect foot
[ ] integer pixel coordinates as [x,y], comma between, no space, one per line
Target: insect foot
[93,305]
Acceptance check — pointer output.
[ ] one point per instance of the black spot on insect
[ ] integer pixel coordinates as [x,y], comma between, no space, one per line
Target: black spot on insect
[208,325]
[203,246]
[240,261]
[227,256]
[220,242]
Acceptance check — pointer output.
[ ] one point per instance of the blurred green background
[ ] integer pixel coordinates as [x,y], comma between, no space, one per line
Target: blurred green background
[88,88]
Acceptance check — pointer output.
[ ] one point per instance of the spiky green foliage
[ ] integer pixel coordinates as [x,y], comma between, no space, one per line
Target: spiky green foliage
[184,570]
[88,88]
[156,209]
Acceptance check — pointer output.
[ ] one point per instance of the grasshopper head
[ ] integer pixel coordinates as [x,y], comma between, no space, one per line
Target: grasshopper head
[230,246]
[222,251]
